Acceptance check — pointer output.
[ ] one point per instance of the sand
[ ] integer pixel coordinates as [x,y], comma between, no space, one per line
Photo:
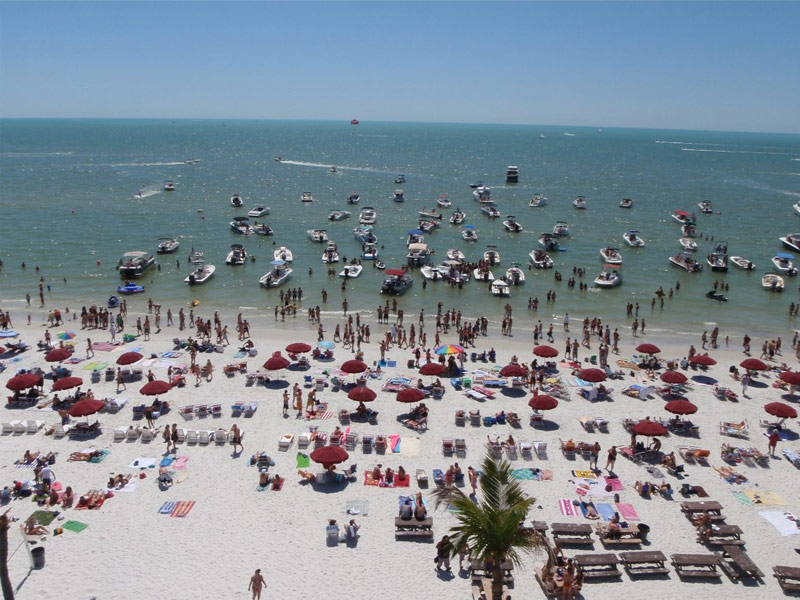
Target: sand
[128,547]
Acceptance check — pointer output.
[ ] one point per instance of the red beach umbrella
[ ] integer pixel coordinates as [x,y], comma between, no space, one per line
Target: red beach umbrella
[155,388]
[67,383]
[780,410]
[409,395]
[128,358]
[543,402]
[592,375]
[648,348]
[673,377]
[512,371]
[353,366]
[649,428]
[58,355]
[298,348]
[431,368]
[753,364]
[545,351]
[790,377]
[86,407]
[362,393]
[22,382]
[680,407]
[702,359]
[329,455]
[276,362]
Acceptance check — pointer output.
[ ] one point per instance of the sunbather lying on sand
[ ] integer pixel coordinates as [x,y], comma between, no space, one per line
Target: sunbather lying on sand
[118,481]
[92,499]
[32,528]
[84,456]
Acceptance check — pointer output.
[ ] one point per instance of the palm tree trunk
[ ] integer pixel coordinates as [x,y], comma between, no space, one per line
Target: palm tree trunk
[5,581]
[497,582]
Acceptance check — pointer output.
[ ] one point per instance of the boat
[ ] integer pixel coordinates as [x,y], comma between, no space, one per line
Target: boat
[688,244]
[512,225]
[715,295]
[626,203]
[279,273]
[482,274]
[400,178]
[515,275]
[431,213]
[632,238]
[537,201]
[458,217]
[351,271]
[277,158]
[165,245]
[491,256]
[379,264]
[353,121]
[237,255]
[688,230]
[540,259]
[482,194]
[236,201]
[443,202]
[262,228]
[331,253]
[169,186]
[541,136]
[743,263]
[784,263]
[369,251]
[415,236]
[796,207]
[609,277]
[318,235]
[241,225]
[396,283]
[561,229]
[456,255]
[490,210]
[686,262]
[469,234]
[283,253]
[368,216]
[130,288]
[339,215]
[477,184]
[682,217]
[548,241]
[718,259]
[201,274]
[427,226]
[113,302]
[432,273]
[135,264]
[333,169]
[612,256]
[705,207]
[259,210]
[579,203]
[791,241]
[772,282]
[499,288]
[512,174]
[306,197]
[417,255]
[191,161]
[353,198]
[399,196]
[196,257]
[364,234]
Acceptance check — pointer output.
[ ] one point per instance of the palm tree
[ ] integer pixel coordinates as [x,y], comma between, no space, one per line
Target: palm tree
[491,527]
[5,581]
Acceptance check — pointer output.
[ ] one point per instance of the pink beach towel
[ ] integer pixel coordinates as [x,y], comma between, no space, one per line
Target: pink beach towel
[104,346]
[567,508]
[180,463]
[182,508]
[615,483]
[394,440]
[627,511]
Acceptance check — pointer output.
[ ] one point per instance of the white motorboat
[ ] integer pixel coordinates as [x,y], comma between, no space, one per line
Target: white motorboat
[796,207]
[415,236]
[379,264]
[399,196]
[477,184]
[306,197]
[688,230]
[283,253]
[201,274]
[772,282]
[369,251]
[169,186]
[368,216]
[718,259]
[482,274]
[458,217]
[611,256]
[396,283]
[400,178]
[632,238]
[351,271]
[236,201]
[331,254]
[743,263]
[469,234]
[548,241]
[241,225]
[333,169]
[430,213]
[688,244]
[353,198]
[579,203]
[364,234]
[258,211]
[318,235]
[432,273]
[683,217]
[537,201]
[456,254]
[279,273]
[512,225]
[135,264]
[236,256]
[686,262]
[165,245]
[482,194]
[491,255]
[427,226]
[499,288]
[339,215]
[609,277]
[561,229]
[784,263]
[196,257]
[540,259]
[444,201]
[791,241]
[626,203]
[490,210]
[515,274]
[705,207]
[512,174]
[417,255]
[262,228]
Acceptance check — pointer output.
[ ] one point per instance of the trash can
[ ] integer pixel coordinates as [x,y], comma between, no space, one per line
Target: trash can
[38,557]
[643,531]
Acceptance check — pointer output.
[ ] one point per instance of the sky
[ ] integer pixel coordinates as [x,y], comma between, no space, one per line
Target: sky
[679,65]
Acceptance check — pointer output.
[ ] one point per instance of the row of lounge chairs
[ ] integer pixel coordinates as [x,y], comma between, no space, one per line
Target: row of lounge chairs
[20,427]
[219,436]
[475,418]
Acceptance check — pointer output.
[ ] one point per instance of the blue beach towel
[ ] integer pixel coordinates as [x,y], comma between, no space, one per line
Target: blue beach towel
[167,508]
[166,461]
[606,511]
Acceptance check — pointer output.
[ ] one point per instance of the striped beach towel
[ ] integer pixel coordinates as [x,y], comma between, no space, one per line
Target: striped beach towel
[183,508]
[628,512]
[167,508]
[567,508]
[394,442]
[326,415]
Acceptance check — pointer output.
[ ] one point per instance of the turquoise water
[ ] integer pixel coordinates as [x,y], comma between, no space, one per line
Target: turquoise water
[69,199]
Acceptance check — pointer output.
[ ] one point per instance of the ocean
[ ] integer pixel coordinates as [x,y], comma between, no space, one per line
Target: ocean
[71,205]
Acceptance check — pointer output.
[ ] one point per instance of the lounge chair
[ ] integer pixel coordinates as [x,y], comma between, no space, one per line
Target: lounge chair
[320,439]
[380,443]
[181,435]
[536,418]
[286,441]
[792,456]
[205,436]
[187,412]
[220,437]
[422,478]
[350,441]
[601,424]
[569,451]
[461,447]
[541,449]
[201,410]
[367,443]
[7,428]
[448,446]
[511,452]
[216,410]
[337,439]
[513,419]
[461,418]
[237,409]
[192,436]
[475,418]
[33,426]
[60,431]
[344,416]
[740,429]
[587,423]
[119,433]
[250,409]
[148,435]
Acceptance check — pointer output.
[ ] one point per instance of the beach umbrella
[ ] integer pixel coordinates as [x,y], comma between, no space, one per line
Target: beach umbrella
[67,383]
[446,349]
[512,371]
[298,348]
[649,428]
[648,348]
[543,402]
[753,364]
[354,366]
[276,362]
[780,410]
[431,368]
[673,377]
[155,388]
[702,359]
[592,375]
[86,407]
[58,355]
[362,393]
[326,345]
[22,382]
[545,351]
[680,407]
[128,358]
[410,395]
[790,377]
[328,456]
[66,335]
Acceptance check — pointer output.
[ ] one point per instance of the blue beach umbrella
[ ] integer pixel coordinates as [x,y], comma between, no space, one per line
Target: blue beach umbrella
[326,345]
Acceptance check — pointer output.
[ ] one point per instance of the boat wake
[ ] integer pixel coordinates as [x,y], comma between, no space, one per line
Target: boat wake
[32,154]
[173,163]
[146,193]
[736,151]
[303,163]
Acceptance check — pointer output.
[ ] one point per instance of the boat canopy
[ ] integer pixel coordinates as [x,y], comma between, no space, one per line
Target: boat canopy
[415,232]
[681,213]
[612,266]
[278,262]
[241,219]
[395,272]
[785,255]
[412,247]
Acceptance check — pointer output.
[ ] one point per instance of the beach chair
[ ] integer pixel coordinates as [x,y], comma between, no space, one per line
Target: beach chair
[286,441]
[792,456]
[448,446]
[511,452]
[237,409]
[138,411]
[133,433]
[250,409]
[216,410]
[344,416]
[739,430]
[7,428]
[192,436]
[205,436]
[148,435]
[381,443]
[60,431]
[201,410]
[461,447]
[337,439]
[366,443]
[513,419]
[119,433]
[303,439]
[601,424]
[567,450]
[181,435]
[350,441]
[33,426]
[461,418]
[319,384]
[422,478]
[541,449]
[587,423]
[526,450]
[536,418]
[475,418]
[220,436]
[320,439]
[187,412]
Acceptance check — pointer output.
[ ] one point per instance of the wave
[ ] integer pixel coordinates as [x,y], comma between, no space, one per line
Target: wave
[690,143]
[569,134]
[735,151]
[32,154]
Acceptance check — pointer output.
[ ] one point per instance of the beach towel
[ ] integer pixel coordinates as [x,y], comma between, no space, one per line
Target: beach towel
[239,354]
[303,461]
[590,487]
[143,463]
[101,457]
[74,360]
[368,480]
[104,346]
[90,366]
[615,483]
[765,498]
[546,475]
[394,443]
[44,517]
[410,446]
[183,508]
[606,511]
[526,473]
[567,508]
[784,435]
[128,488]
[438,476]
[325,415]
[742,497]
[388,363]
[406,482]
[180,463]
[280,485]
[655,472]
[627,511]
[356,507]
[75,526]
[167,461]
[785,522]
[22,465]
[585,474]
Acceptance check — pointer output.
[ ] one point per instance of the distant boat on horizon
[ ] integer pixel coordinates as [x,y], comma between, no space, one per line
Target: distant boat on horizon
[353,121]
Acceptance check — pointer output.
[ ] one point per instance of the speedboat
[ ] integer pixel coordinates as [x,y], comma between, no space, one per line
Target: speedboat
[772,282]
[258,211]
[540,259]
[415,236]
[262,228]
[427,226]
[353,121]
[686,262]
[369,251]
[201,274]
[469,234]
[379,264]
[490,210]
[609,277]
[364,234]
[130,288]
[512,225]
[333,169]
[499,288]
[353,198]
[400,178]
[626,203]
[688,230]
[396,283]
[611,255]
[283,253]
[135,264]
[688,244]
[399,196]
[512,174]
[430,213]
[796,207]
[432,273]
[368,216]
[237,255]
[579,203]
[306,197]
[514,274]
[784,263]
[196,257]
[279,273]
[169,186]
[632,238]
[743,263]
[331,254]
[339,215]
[482,194]
[561,229]
[318,235]
[715,295]
[718,259]
[166,245]
[457,217]
[537,201]
[351,271]
[791,241]
[682,217]
[477,184]
[277,158]
[444,201]
[548,241]
[236,201]
[241,225]
[705,207]
[482,274]
[456,254]
[417,255]
[491,256]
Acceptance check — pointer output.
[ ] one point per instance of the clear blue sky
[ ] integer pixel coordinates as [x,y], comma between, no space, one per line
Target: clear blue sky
[720,65]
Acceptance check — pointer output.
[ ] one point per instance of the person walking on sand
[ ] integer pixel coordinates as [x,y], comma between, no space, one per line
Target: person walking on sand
[257,584]
[745,383]
[89,349]
[774,438]
[612,458]
[120,380]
